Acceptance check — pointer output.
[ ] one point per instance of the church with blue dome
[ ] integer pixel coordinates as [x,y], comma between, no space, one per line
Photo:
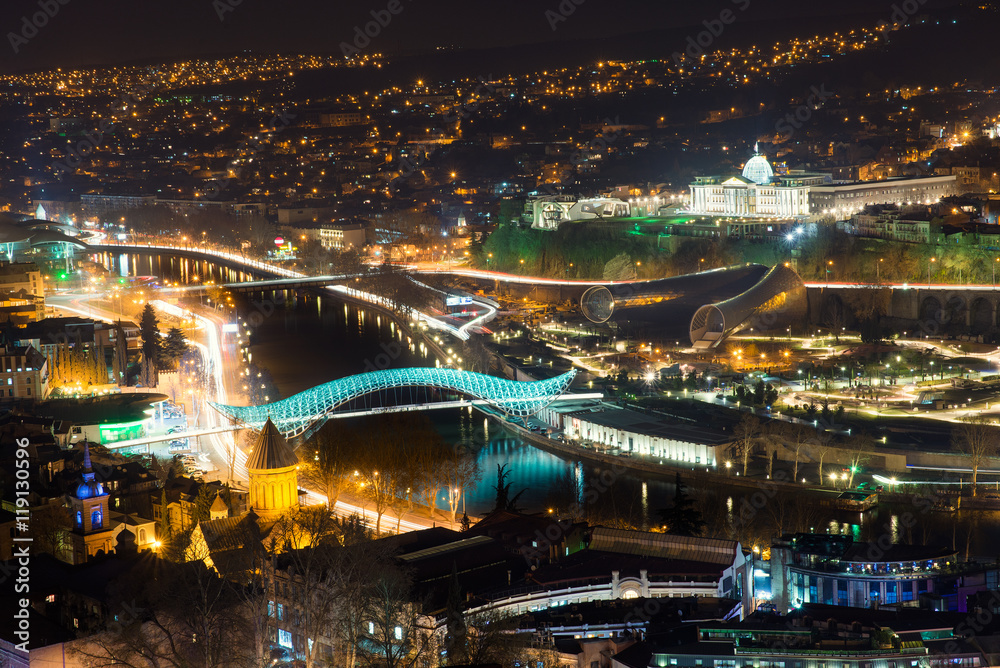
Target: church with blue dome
[757,192]
[93,532]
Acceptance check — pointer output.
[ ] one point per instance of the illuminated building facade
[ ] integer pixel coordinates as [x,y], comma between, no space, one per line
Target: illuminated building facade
[551,211]
[756,192]
[272,469]
[836,570]
[342,237]
[841,200]
[93,532]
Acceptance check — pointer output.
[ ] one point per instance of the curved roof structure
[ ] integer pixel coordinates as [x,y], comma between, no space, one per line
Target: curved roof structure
[46,236]
[34,232]
[296,414]
[647,300]
[758,170]
[777,298]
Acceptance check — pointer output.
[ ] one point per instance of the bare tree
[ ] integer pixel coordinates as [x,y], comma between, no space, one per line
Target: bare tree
[794,435]
[859,445]
[772,445]
[492,638]
[170,616]
[746,433]
[395,637]
[823,448]
[329,468]
[306,572]
[976,437]
[459,471]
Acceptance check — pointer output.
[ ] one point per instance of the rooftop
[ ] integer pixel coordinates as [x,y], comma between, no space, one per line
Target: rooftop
[271,450]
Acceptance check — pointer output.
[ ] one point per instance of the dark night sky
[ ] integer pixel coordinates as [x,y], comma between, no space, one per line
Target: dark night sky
[110,31]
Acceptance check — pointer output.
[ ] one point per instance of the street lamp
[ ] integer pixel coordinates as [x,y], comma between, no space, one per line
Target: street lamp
[933,260]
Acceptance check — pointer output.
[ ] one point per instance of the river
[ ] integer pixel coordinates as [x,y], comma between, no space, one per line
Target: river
[312,339]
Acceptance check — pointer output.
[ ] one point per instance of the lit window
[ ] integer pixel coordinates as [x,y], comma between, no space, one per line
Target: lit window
[398,632]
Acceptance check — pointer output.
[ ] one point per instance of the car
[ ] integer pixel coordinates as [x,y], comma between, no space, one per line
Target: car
[174,430]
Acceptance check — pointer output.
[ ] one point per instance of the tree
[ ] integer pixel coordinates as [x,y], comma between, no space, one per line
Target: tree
[329,469]
[977,438]
[149,331]
[503,500]
[459,471]
[772,445]
[868,305]
[163,530]
[173,348]
[456,643]
[203,504]
[859,445]
[169,615]
[794,436]
[394,638]
[746,433]
[682,518]
[822,448]
[308,567]
[119,364]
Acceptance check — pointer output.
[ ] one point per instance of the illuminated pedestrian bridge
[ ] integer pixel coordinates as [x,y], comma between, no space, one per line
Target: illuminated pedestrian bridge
[400,389]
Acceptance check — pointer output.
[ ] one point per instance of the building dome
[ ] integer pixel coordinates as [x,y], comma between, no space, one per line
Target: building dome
[89,487]
[758,170]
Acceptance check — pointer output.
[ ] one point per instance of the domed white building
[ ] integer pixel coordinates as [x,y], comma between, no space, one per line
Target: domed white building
[758,170]
[757,192]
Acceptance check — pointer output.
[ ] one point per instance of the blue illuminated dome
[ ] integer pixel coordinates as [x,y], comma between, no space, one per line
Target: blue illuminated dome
[88,487]
[758,170]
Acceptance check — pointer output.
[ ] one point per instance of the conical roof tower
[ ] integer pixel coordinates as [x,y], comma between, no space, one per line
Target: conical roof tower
[272,468]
